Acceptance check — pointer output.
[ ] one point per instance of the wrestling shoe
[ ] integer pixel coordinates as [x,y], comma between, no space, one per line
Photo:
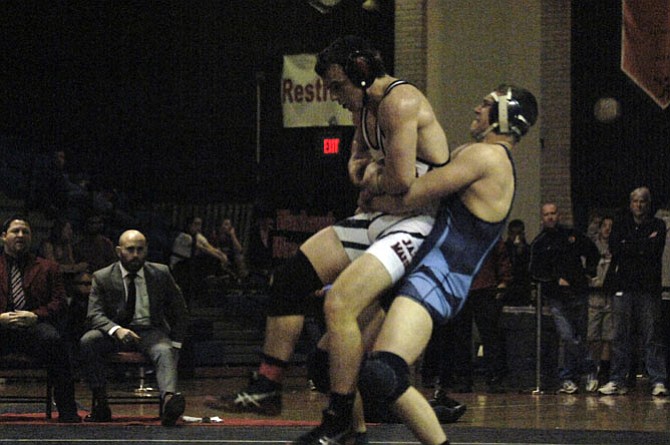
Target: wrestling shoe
[334,430]
[261,396]
[447,409]
[612,389]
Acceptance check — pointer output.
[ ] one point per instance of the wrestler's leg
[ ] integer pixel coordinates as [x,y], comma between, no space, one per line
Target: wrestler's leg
[405,333]
[356,288]
[293,284]
[327,257]
[370,322]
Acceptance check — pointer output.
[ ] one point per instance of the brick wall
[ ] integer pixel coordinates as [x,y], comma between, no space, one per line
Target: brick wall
[555,91]
[410,41]
[556,106]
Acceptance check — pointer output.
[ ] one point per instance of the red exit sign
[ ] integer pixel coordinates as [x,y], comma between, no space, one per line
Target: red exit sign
[331,146]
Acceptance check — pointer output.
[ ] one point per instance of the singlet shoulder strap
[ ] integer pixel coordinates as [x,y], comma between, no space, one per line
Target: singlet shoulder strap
[394,84]
[511,161]
[378,131]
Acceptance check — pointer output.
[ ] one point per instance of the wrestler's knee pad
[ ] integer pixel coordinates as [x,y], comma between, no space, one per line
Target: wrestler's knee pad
[384,377]
[291,285]
[318,368]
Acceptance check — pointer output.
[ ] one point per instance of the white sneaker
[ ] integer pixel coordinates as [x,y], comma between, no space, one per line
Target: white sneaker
[568,387]
[659,389]
[611,389]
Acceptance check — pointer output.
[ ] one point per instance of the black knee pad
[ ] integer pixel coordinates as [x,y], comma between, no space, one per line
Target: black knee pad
[291,286]
[318,368]
[384,377]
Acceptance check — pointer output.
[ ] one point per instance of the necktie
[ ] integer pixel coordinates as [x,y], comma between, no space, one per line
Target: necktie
[18,294]
[132,296]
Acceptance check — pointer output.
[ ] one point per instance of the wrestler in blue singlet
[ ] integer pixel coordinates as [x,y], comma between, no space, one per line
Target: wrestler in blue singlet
[450,257]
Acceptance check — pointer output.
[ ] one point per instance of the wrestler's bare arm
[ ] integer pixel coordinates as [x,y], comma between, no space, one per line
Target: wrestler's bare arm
[360,158]
[466,168]
[398,117]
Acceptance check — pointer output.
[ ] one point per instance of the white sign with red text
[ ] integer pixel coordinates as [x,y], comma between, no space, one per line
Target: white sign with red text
[305,100]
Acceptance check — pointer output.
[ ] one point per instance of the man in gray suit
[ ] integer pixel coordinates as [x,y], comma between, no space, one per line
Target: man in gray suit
[135,305]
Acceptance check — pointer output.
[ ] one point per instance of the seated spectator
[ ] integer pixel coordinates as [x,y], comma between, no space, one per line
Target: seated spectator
[78,291]
[32,306]
[225,239]
[193,258]
[49,184]
[135,305]
[94,248]
[259,251]
[79,200]
[60,249]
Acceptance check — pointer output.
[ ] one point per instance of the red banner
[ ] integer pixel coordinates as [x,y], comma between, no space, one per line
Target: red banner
[645,47]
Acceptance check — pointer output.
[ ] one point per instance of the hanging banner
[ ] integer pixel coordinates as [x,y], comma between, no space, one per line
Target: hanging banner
[645,47]
[305,100]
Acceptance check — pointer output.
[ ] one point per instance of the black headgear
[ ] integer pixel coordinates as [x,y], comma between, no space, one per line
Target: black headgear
[360,61]
[361,68]
[509,115]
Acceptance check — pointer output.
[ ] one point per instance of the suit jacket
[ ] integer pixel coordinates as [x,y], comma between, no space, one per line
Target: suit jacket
[43,286]
[167,308]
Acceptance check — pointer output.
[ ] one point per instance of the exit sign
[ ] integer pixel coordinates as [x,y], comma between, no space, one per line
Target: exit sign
[331,145]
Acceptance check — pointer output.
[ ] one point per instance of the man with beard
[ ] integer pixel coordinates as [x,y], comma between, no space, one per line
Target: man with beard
[135,305]
[32,307]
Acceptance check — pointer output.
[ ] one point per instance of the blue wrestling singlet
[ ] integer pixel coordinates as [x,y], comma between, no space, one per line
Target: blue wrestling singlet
[449,259]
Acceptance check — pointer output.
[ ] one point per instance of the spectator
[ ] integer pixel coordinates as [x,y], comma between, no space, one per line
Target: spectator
[518,251]
[32,306]
[94,248]
[664,214]
[260,257]
[593,229]
[135,305]
[637,244]
[225,239]
[562,259]
[78,291]
[49,185]
[600,330]
[59,247]
[483,306]
[193,258]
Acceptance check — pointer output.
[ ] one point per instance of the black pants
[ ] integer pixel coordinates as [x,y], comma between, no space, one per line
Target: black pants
[44,342]
[450,348]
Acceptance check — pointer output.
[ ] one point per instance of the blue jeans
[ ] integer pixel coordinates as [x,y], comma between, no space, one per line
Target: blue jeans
[643,310]
[570,312]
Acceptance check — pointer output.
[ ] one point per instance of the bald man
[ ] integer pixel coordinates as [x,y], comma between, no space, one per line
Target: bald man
[135,306]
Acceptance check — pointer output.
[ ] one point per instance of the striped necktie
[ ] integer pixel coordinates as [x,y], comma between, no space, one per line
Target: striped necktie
[18,294]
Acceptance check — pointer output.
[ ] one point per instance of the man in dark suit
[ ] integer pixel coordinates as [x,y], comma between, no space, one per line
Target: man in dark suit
[135,305]
[32,307]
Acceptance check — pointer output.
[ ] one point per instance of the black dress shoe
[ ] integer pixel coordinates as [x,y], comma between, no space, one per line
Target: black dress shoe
[68,418]
[173,409]
[99,414]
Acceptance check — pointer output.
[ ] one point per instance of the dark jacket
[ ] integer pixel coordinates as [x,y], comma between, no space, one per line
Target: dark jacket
[563,253]
[496,269]
[637,252]
[167,308]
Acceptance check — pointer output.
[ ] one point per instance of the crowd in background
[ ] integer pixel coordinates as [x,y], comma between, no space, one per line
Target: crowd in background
[86,221]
